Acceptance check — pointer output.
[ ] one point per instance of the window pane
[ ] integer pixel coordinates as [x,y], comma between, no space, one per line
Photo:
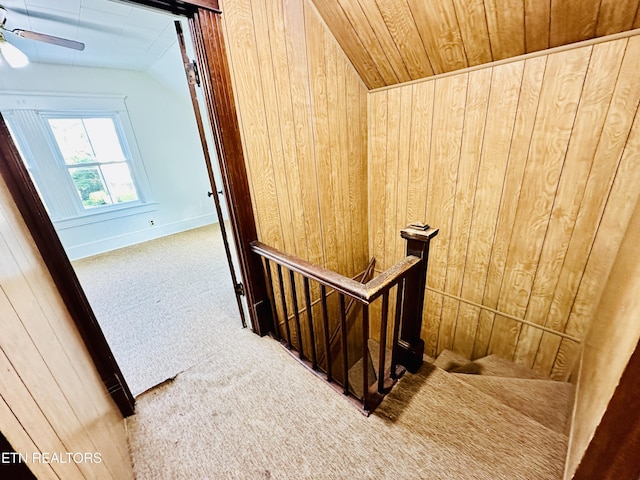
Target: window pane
[104,140]
[88,182]
[72,140]
[119,182]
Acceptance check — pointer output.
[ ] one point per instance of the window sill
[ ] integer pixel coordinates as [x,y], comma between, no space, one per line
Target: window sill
[110,213]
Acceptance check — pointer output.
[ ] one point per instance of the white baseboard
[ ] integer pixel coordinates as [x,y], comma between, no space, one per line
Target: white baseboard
[113,243]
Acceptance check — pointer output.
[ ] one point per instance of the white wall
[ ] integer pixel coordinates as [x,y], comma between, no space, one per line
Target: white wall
[167,138]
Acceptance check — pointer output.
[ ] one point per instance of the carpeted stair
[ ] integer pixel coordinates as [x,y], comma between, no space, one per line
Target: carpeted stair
[252,412]
[541,399]
[489,395]
[355,372]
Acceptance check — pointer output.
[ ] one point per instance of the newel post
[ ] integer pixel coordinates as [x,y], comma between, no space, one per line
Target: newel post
[410,348]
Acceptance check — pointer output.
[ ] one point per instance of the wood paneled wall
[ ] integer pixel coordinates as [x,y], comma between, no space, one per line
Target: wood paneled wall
[394,41]
[302,109]
[609,343]
[530,170]
[51,396]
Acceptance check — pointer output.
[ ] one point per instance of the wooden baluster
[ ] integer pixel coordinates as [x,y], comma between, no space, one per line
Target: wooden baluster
[325,325]
[396,327]
[296,314]
[343,336]
[365,355]
[272,299]
[312,335]
[284,308]
[383,341]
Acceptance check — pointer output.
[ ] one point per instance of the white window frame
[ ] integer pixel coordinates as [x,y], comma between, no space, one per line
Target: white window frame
[60,162]
[28,115]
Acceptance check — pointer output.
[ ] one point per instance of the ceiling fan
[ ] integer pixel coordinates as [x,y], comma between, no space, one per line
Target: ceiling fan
[12,54]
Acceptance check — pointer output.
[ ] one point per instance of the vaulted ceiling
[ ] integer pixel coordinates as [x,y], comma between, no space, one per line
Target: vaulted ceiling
[394,41]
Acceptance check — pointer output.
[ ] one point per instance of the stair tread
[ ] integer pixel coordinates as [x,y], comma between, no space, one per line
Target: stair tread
[545,401]
[355,377]
[448,360]
[499,367]
[374,352]
[509,443]
[492,365]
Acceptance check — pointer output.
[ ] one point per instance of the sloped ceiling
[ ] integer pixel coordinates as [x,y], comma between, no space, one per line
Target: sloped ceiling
[394,41]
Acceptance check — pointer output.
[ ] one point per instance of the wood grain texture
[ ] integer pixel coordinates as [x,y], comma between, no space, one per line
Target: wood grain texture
[505,88]
[497,248]
[607,359]
[294,28]
[404,158]
[594,104]
[536,25]
[478,90]
[302,112]
[612,141]
[616,16]
[519,191]
[388,40]
[440,34]
[448,121]
[420,149]
[357,17]
[21,437]
[573,21]
[499,120]
[351,42]
[617,215]
[505,19]
[49,383]
[560,94]
[386,37]
[392,216]
[472,19]
[300,104]
[377,172]
[399,22]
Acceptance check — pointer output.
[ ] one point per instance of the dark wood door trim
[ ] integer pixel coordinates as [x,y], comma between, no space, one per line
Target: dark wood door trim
[212,180]
[179,7]
[55,258]
[613,451]
[207,34]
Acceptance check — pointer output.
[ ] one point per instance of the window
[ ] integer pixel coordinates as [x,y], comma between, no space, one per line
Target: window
[85,163]
[93,154]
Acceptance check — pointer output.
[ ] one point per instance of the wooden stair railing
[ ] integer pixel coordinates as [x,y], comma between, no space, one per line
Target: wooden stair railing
[408,276]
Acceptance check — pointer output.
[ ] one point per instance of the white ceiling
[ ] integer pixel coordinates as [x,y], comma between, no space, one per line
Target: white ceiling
[115,35]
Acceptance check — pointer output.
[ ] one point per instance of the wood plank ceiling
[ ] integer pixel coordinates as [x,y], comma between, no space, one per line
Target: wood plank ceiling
[395,41]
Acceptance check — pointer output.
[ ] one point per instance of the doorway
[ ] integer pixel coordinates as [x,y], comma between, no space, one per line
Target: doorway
[150,221]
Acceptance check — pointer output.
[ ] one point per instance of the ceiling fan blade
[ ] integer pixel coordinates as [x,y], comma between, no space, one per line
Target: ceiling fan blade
[52,17]
[41,37]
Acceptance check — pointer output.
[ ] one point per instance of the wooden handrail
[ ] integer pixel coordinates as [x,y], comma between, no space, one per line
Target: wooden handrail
[365,293]
[409,275]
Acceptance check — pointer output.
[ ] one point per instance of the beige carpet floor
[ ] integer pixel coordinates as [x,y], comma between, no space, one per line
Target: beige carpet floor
[237,406]
[160,303]
[252,412]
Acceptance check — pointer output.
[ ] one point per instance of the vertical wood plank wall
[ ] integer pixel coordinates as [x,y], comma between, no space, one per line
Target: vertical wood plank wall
[51,396]
[530,171]
[302,109]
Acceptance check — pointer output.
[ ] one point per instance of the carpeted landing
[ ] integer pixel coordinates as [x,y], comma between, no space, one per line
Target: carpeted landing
[251,411]
[162,304]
